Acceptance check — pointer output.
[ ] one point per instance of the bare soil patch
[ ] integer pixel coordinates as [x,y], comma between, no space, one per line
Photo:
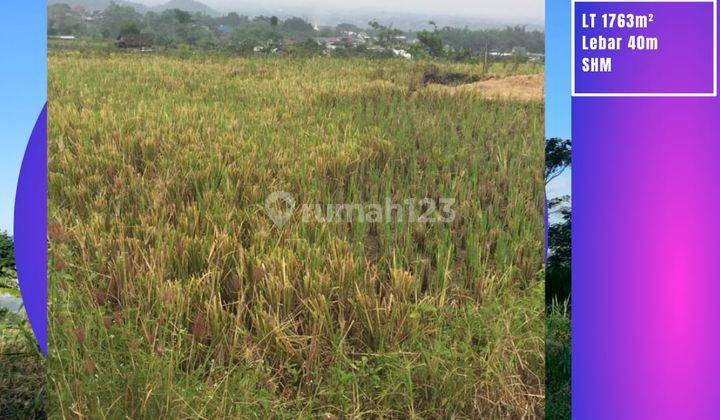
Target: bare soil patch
[518,88]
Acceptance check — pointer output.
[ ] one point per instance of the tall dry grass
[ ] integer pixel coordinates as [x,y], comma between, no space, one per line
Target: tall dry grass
[173,295]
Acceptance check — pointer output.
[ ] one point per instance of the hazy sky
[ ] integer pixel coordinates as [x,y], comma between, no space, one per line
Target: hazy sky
[531,11]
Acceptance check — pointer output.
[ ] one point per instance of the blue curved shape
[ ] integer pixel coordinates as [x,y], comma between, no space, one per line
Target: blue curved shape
[30,226]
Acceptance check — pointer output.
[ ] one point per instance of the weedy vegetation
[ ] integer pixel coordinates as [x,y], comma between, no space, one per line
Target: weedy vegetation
[559,362]
[173,295]
[22,366]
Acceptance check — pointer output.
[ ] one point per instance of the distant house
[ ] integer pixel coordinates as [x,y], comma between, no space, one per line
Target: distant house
[520,51]
[94,16]
[351,41]
[134,41]
[333,43]
[326,40]
[536,57]
[224,30]
[270,47]
[402,53]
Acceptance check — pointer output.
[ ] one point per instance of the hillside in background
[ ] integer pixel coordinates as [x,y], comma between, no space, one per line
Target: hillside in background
[100,4]
[186,5]
[321,16]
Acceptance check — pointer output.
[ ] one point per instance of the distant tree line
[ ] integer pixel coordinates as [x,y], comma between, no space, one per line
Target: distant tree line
[495,39]
[174,28]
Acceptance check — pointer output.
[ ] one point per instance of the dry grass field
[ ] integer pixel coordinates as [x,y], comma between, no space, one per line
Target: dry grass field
[174,295]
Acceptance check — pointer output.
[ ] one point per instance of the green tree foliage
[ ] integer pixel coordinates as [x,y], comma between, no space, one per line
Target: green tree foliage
[174,28]
[63,20]
[558,156]
[116,18]
[494,39]
[386,35]
[297,28]
[131,28]
[233,20]
[558,363]
[349,27]
[309,47]
[559,233]
[558,271]
[432,42]
[7,252]
[181,16]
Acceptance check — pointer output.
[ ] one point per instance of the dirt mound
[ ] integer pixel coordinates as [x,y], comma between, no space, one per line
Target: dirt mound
[433,74]
[520,88]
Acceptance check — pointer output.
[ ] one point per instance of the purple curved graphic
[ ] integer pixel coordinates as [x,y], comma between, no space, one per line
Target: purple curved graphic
[547,230]
[30,227]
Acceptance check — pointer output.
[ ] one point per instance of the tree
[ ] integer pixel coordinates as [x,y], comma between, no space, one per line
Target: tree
[348,27]
[559,233]
[182,17]
[386,35]
[233,20]
[63,20]
[297,28]
[558,155]
[494,39]
[7,252]
[116,17]
[309,47]
[432,42]
[558,268]
[274,21]
[131,28]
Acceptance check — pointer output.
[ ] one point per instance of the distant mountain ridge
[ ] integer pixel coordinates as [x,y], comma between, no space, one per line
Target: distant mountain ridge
[329,16]
[191,6]
[100,4]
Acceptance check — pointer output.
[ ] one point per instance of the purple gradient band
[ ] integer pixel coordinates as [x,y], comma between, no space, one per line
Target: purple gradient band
[646,256]
[30,226]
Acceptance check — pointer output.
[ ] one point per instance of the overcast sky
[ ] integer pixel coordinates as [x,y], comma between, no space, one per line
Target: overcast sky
[530,11]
